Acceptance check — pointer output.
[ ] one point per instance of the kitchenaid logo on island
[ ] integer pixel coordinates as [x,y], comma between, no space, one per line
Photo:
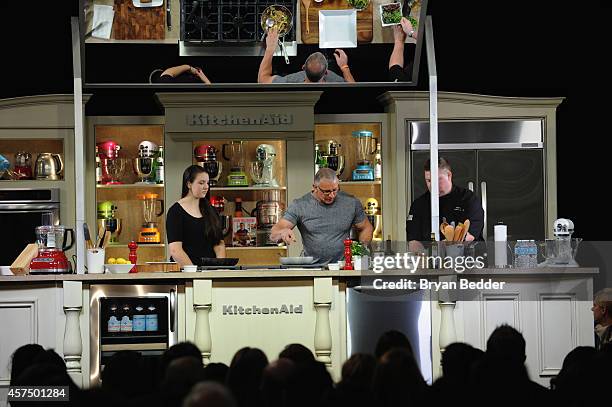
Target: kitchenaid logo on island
[255,310]
[206,119]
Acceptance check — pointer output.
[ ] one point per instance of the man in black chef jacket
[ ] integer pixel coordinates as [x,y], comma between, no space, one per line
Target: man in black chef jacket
[456,205]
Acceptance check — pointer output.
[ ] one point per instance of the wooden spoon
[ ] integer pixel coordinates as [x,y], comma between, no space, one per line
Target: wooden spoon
[306,4]
[449,232]
[466,229]
[458,232]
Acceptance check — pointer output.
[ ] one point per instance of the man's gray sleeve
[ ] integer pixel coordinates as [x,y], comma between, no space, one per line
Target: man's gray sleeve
[359,212]
[292,214]
[279,79]
[334,77]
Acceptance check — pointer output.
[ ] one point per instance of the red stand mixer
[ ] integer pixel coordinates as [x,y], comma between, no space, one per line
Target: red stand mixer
[51,241]
[112,165]
[206,156]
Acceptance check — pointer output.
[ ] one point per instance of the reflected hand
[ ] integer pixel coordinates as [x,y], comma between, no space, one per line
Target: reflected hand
[288,237]
[407,27]
[272,39]
[341,58]
[398,33]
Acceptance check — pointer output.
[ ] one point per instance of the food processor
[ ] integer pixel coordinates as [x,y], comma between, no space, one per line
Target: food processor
[206,156]
[51,241]
[107,220]
[236,157]
[561,251]
[364,170]
[262,169]
[23,165]
[149,233]
[146,162]
[218,202]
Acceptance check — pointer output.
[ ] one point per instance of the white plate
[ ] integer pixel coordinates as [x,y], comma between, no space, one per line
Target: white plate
[153,3]
[305,260]
[338,28]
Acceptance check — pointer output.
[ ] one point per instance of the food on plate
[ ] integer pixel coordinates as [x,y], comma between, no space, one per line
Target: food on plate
[391,13]
[118,260]
[358,4]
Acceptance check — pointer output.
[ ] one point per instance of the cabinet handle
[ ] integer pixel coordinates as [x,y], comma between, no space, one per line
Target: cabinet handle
[172,310]
[483,197]
[471,186]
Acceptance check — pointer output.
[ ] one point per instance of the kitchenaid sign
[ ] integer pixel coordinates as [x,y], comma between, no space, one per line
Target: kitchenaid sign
[269,119]
[255,310]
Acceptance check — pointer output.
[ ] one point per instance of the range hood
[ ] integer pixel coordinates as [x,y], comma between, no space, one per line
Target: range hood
[228,27]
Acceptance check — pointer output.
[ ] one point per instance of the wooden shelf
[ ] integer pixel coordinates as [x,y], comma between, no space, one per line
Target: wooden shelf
[24,182]
[130,186]
[356,183]
[248,188]
[139,245]
[256,248]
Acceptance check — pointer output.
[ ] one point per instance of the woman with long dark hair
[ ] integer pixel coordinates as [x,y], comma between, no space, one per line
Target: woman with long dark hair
[192,225]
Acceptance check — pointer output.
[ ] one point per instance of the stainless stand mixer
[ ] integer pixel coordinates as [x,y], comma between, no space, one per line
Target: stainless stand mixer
[561,251]
[262,170]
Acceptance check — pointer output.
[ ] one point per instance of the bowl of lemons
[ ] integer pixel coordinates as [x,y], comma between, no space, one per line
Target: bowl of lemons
[118,265]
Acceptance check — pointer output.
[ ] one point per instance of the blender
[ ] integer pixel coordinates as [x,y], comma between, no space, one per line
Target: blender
[112,166]
[262,169]
[23,165]
[218,202]
[146,163]
[237,176]
[206,156]
[149,233]
[107,220]
[51,241]
[335,160]
[364,170]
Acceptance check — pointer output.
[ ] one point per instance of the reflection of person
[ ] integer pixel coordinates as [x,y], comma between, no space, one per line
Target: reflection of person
[179,74]
[397,71]
[192,225]
[314,69]
[602,314]
[324,218]
[456,205]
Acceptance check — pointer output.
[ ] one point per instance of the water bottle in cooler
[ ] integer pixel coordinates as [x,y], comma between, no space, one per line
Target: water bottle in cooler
[521,254]
[151,318]
[114,325]
[532,253]
[139,320]
[126,321]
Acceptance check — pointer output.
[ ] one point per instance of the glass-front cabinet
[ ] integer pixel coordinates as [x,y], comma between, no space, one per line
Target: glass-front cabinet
[130,190]
[354,151]
[249,190]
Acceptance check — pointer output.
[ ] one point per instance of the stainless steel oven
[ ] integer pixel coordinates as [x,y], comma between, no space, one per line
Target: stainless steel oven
[135,317]
[21,210]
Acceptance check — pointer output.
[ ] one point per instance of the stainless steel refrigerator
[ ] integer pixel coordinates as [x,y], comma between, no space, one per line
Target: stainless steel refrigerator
[502,161]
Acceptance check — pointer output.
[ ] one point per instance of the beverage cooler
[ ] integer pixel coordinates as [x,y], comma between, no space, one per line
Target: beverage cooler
[142,318]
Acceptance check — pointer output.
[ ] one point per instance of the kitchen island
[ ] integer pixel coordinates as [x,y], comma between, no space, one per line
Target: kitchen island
[331,312]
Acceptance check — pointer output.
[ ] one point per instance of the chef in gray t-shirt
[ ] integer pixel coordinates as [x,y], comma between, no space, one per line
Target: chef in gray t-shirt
[324,218]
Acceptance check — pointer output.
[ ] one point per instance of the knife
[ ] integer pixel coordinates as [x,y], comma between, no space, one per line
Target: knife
[87,236]
[168,21]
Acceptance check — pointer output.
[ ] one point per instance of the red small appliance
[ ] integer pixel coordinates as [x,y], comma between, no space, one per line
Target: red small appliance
[52,243]
[206,156]
[112,165]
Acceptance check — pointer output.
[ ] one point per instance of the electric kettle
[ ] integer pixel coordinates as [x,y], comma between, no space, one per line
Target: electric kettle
[48,166]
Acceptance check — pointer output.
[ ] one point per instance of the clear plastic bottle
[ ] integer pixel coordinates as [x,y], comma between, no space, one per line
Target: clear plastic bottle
[532,253]
[521,254]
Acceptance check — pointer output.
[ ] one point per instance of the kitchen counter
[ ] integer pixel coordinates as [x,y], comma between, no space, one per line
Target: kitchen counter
[296,273]
[380,34]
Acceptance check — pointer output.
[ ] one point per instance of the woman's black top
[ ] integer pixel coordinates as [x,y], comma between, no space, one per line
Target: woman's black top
[182,227]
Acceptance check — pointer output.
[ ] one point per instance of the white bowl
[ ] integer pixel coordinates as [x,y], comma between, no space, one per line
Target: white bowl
[189,269]
[333,266]
[118,268]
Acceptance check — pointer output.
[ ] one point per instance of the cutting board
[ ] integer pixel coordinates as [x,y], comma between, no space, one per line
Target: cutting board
[138,23]
[364,20]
